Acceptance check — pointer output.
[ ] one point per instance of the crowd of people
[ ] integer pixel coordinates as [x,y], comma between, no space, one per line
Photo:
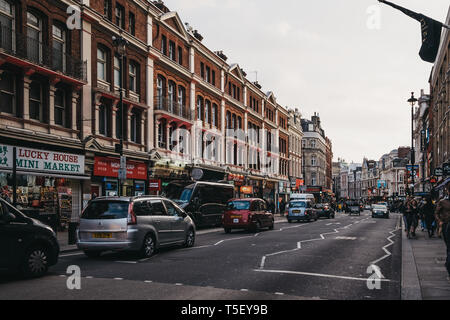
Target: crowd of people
[434,217]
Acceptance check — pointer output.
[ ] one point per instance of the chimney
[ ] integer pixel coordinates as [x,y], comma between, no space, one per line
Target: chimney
[161,6]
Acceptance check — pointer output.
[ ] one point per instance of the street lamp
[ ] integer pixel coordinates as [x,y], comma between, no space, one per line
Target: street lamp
[413,102]
[120,43]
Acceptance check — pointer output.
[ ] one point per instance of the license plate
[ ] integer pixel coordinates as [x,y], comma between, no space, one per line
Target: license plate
[102,235]
[235,220]
[296,211]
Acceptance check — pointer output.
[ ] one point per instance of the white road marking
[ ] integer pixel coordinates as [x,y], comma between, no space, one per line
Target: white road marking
[316,275]
[118,278]
[244,290]
[345,238]
[126,262]
[178,284]
[89,277]
[388,253]
[279,293]
[148,281]
[71,255]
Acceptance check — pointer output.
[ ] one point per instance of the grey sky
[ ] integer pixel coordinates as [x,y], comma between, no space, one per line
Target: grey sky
[320,56]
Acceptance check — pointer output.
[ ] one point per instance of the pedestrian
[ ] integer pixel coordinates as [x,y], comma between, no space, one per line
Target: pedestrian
[443,218]
[411,217]
[282,207]
[427,212]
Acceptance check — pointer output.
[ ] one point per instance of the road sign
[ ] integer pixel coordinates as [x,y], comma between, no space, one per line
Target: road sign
[438,172]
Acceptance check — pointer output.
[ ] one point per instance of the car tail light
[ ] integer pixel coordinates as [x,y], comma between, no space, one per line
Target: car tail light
[131,216]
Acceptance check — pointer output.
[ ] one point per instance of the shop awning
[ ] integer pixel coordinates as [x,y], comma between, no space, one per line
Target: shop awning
[48,174]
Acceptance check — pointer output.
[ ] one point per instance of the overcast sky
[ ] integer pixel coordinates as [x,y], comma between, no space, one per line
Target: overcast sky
[321,56]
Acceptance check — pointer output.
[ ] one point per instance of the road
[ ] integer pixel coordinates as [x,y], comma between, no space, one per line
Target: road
[327,259]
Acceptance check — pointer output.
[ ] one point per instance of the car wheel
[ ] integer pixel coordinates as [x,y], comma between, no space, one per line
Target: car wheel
[290,221]
[227,230]
[148,246]
[272,226]
[190,239]
[35,263]
[92,254]
[257,226]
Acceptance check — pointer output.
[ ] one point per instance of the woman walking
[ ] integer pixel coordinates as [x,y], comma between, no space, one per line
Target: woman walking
[427,212]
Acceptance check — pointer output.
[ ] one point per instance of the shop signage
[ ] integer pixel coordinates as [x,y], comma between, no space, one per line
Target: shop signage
[446,169]
[42,160]
[247,189]
[154,185]
[108,167]
[438,172]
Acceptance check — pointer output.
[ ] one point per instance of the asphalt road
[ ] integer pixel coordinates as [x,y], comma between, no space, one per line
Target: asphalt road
[327,259]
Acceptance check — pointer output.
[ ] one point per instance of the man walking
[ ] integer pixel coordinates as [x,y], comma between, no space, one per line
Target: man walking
[443,218]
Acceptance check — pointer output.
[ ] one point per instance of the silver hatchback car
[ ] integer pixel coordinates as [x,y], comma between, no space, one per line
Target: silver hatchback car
[141,224]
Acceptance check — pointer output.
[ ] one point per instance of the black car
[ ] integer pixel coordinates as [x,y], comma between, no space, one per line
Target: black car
[26,245]
[353,207]
[324,210]
[206,202]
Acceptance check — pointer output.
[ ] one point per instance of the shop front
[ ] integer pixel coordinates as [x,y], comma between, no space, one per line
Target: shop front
[48,184]
[105,180]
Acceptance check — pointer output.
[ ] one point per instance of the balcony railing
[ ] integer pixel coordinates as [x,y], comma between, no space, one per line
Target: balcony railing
[36,52]
[173,107]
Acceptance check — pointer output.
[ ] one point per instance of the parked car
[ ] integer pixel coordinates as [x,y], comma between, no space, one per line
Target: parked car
[353,207]
[379,210]
[206,202]
[26,245]
[248,214]
[301,210]
[140,224]
[324,210]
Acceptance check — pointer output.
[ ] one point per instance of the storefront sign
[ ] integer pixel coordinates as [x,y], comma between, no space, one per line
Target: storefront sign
[438,172]
[247,189]
[107,167]
[42,160]
[154,185]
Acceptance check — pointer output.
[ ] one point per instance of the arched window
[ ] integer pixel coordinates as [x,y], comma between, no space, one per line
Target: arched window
[160,91]
[171,96]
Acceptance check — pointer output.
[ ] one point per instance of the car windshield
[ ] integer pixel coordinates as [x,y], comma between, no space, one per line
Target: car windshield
[379,207]
[297,204]
[186,195]
[107,210]
[239,205]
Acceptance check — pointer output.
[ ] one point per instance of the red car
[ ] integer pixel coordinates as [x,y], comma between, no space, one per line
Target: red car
[248,214]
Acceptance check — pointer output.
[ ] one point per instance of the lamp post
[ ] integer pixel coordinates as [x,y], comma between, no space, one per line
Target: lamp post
[413,102]
[120,43]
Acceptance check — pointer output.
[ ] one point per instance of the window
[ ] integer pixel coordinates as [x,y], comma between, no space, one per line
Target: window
[208,74]
[180,55]
[199,107]
[59,48]
[207,111]
[60,107]
[214,115]
[120,16]
[158,208]
[171,209]
[7,93]
[162,134]
[101,64]
[181,99]
[313,160]
[133,77]
[312,143]
[107,9]
[34,41]
[117,72]
[172,54]
[7,17]
[132,23]
[171,96]
[36,106]
[202,70]
[213,78]
[135,129]
[160,87]
[313,178]
[103,120]
[164,45]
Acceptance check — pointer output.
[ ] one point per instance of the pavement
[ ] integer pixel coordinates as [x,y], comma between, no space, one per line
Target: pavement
[424,276]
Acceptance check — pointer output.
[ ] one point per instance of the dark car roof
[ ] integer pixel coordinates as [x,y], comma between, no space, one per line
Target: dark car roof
[247,199]
[126,199]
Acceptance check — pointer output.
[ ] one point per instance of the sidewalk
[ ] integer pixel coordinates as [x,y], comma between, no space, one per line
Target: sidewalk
[424,276]
[63,237]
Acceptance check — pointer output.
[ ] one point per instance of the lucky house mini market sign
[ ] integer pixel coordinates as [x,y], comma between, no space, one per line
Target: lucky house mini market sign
[41,160]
